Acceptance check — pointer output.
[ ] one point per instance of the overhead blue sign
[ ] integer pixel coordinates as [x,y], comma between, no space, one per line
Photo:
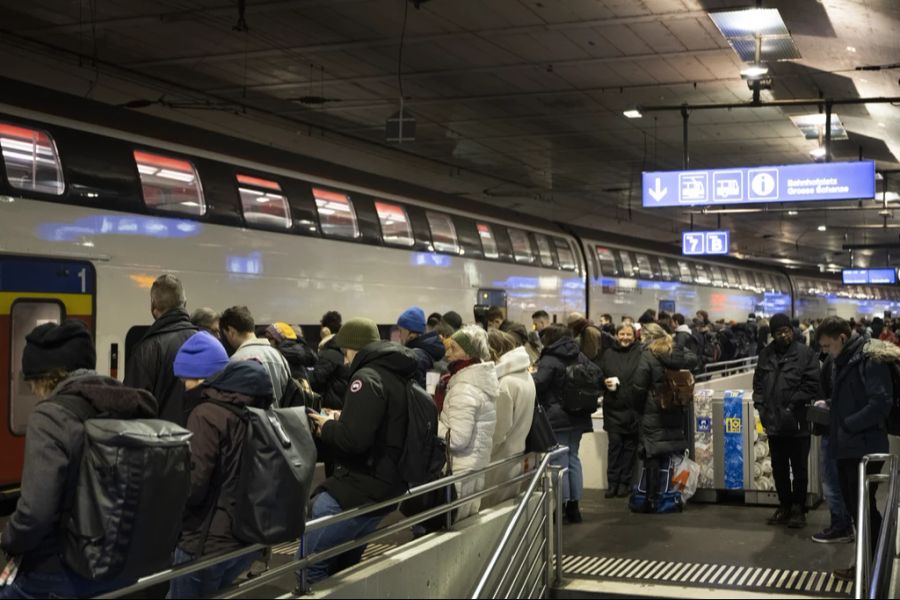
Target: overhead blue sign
[868,276]
[700,243]
[787,183]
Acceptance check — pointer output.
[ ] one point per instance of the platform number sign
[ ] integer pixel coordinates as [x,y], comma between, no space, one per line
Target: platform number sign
[700,243]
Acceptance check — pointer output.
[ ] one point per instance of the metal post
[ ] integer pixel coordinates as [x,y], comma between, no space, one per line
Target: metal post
[828,108]
[684,135]
[560,473]
[548,526]
[304,587]
[862,533]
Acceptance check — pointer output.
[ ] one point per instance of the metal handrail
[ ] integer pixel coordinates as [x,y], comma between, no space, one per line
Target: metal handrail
[320,523]
[737,365]
[871,578]
[540,474]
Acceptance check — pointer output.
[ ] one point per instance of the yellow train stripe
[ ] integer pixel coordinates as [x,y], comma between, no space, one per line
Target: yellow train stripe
[76,304]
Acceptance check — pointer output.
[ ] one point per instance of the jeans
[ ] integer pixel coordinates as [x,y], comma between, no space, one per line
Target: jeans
[205,583]
[848,472]
[790,468]
[622,454]
[831,489]
[325,505]
[573,484]
[66,584]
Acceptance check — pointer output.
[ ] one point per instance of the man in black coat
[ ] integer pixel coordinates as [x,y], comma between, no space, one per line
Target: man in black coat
[150,366]
[786,381]
[366,439]
[861,399]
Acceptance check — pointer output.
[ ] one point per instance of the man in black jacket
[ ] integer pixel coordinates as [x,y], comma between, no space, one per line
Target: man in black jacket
[367,439]
[150,366]
[58,363]
[786,381]
[861,400]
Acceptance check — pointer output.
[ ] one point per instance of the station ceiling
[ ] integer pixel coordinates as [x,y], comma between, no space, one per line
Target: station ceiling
[518,103]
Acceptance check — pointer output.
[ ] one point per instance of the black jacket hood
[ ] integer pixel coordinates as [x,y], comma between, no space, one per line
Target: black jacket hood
[679,358]
[109,397]
[173,321]
[386,355]
[246,378]
[566,349]
[430,343]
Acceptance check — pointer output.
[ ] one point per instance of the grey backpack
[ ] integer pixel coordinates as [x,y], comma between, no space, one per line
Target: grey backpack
[133,484]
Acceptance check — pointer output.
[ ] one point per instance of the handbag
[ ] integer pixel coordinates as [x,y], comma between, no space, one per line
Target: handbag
[434,498]
[541,437]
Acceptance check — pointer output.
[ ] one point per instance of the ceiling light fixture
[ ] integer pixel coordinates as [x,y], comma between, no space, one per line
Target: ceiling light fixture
[754,71]
[793,213]
[822,228]
[851,49]
[633,114]
[818,153]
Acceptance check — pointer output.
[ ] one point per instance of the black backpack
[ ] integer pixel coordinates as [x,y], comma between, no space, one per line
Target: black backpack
[424,453]
[133,483]
[276,471]
[582,388]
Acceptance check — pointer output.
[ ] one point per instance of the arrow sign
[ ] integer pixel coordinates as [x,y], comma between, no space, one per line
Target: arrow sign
[659,192]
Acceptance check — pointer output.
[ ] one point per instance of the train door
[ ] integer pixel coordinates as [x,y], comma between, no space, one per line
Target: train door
[486,299]
[33,291]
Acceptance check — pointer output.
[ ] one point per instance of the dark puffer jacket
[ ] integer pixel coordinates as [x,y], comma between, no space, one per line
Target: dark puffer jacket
[150,367]
[861,398]
[619,406]
[54,443]
[662,432]
[429,349]
[784,384]
[300,357]
[330,376]
[370,435]
[550,382]
[216,453]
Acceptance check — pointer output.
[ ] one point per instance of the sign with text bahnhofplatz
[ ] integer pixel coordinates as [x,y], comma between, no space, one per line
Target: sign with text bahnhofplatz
[751,185]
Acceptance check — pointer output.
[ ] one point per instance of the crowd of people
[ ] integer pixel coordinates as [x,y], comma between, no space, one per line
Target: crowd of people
[198,370]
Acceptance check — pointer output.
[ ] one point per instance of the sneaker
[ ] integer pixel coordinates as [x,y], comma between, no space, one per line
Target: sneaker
[834,536]
[797,518]
[781,517]
[845,574]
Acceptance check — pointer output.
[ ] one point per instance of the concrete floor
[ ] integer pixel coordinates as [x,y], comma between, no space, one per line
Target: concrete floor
[706,533]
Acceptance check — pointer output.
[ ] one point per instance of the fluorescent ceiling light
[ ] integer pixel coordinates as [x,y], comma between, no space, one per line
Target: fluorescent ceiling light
[822,228]
[754,71]
[749,22]
[633,114]
[817,152]
[792,213]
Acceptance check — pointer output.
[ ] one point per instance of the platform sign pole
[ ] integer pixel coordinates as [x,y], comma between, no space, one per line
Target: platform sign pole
[734,439]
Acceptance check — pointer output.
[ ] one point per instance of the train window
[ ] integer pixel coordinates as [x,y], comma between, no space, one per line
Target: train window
[395,227]
[336,213]
[702,274]
[731,278]
[565,254]
[25,316]
[31,160]
[544,250]
[488,243]
[644,266]
[655,268]
[664,271]
[169,184]
[608,264]
[684,269]
[628,267]
[746,279]
[263,202]
[443,233]
[522,249]
[716,275]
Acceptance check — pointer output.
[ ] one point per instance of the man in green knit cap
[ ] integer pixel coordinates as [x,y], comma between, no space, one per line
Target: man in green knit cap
[366,438]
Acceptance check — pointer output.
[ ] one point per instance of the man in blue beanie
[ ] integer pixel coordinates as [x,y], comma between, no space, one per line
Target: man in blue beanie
[428,346]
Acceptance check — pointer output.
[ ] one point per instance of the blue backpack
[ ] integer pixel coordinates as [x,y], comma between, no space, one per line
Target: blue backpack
[667,500]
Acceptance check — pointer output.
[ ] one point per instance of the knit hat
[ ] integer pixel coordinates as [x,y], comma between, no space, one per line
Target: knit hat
[280,331]
[201,357]
[68,347]
[453,320]
[778,321]
[413,319]
[474,341]
[357,333]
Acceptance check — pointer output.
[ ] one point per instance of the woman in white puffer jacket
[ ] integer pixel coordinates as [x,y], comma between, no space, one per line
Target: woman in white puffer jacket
[469,414]
[515,410]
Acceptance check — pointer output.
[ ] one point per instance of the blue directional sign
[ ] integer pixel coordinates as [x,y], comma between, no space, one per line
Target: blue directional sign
[787,183]
[700,243]
[869,276]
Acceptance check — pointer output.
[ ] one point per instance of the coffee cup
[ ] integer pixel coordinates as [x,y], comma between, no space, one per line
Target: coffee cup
[612,383]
